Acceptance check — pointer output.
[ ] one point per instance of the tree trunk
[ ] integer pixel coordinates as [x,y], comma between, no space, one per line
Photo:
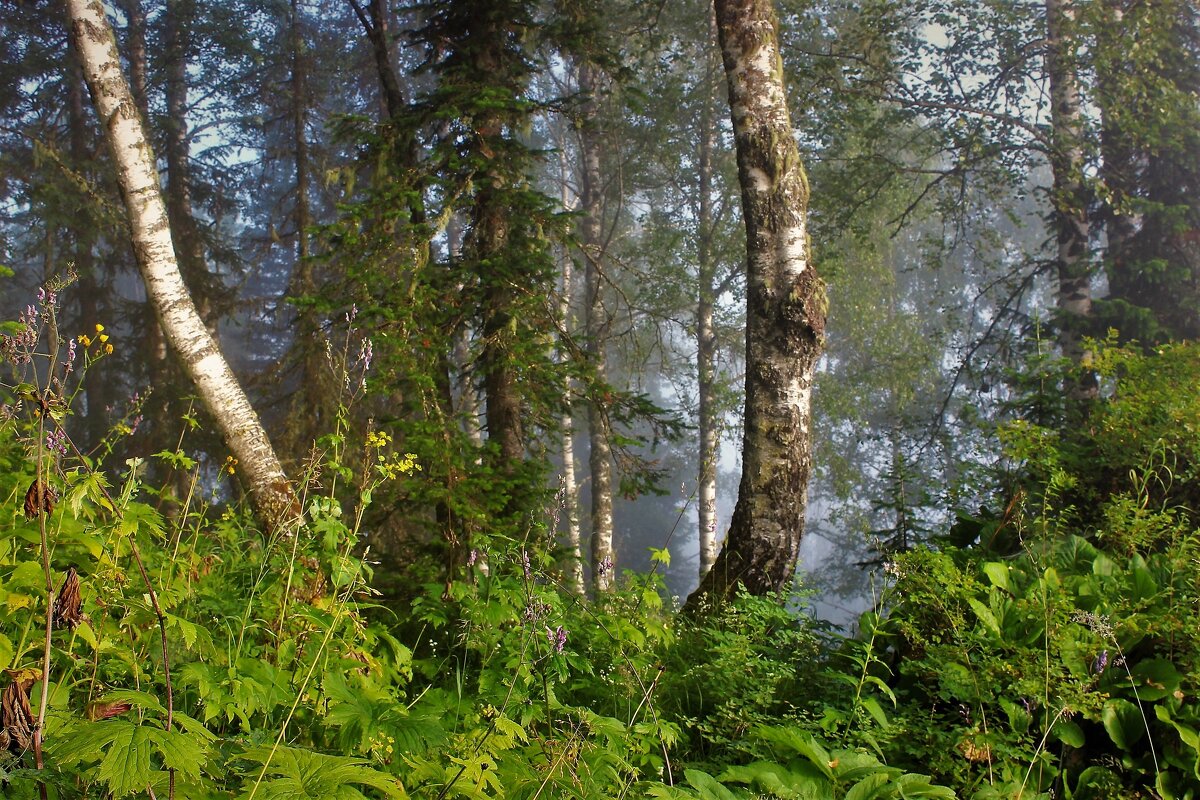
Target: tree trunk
[135,45]
[95,382]
[785,315]
[706,336]
[570,484]
[151,234]
[1070,195]
[189,247]
[312,400]
[596,324]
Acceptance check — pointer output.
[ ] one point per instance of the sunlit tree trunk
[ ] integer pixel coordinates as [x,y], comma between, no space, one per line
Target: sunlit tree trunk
[151,235]
[596,325]
[1070,195]
[785,315]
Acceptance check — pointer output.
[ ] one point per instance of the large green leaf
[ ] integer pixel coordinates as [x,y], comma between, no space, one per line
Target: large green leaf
[1123,721]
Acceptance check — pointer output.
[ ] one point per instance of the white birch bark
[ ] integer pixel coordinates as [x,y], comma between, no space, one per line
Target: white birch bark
[596,323]
[570,483]
[218,388]
[785,314]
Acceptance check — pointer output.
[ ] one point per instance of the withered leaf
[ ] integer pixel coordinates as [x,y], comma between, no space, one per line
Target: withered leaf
[40,497]
[68,605]
[16,717]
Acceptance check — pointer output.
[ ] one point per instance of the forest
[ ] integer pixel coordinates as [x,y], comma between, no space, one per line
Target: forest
[665,399]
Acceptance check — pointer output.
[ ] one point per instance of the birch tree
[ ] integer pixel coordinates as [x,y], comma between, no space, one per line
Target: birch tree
[785,314]
[1069,197]
[151,234]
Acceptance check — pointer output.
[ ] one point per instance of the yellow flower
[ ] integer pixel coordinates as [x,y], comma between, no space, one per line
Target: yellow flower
[108,348]
[378,439]
[84,340]
[230,463]
[99,328]
[104,337]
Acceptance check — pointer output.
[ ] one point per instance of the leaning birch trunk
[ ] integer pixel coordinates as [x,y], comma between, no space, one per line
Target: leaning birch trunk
[785,315]
[119,119]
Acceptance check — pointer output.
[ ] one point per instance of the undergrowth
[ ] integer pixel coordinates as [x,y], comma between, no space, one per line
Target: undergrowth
[156,643]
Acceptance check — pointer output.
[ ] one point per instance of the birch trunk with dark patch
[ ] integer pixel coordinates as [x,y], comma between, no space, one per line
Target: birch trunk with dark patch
[1069,196]
[596,325]
[151,234]
[785,315]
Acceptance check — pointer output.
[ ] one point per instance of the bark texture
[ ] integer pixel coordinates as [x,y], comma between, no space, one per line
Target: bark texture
[1070,193]
[596,324]
[706,335]
[570,484]
[785,315]
[151,235]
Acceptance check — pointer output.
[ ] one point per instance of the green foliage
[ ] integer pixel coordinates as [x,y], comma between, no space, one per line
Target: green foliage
[1068,665]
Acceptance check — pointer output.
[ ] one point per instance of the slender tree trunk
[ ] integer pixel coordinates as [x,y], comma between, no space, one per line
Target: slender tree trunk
[596,325]
[375,24]
[570,484]
[785,315]
[95,382]
[135,44]
[184,231]
[313,398]
[706,336]
[151,234]
[1070,196]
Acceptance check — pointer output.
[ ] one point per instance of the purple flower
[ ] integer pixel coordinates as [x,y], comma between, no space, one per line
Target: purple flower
[605,566]
[1100,663]
[56,441]
[472,557]
[557,638]
[70,362]
[525,567]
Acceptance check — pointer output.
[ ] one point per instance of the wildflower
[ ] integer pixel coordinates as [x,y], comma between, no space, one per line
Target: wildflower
[1100,663]
[56,441]
[99,328]
[69,364]
[535,610]
[85,340]
[108,349]
[67,602]
[605,566]
[472,557]
[525,564]
[557,638]
[229,465]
